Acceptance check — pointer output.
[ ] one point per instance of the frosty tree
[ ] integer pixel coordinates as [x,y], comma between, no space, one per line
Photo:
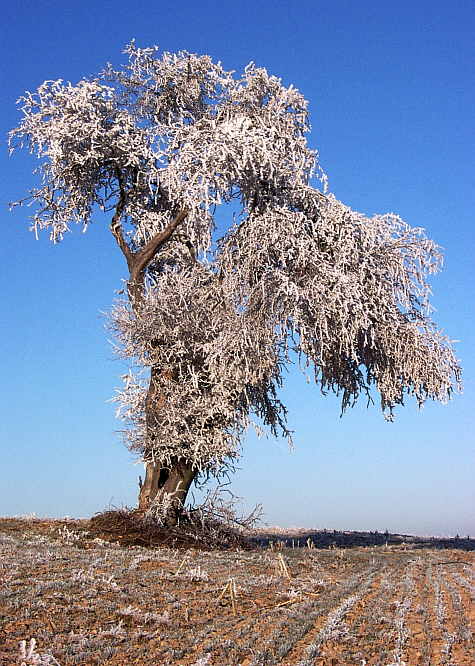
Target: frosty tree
[213,319]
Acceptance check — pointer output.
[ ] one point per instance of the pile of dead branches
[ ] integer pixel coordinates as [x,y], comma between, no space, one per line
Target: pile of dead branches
[212,525]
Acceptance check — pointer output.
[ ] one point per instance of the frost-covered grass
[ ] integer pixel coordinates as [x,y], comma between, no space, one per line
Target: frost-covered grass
[69,598]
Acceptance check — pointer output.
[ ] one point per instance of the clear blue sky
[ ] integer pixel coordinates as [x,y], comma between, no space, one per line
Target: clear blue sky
[392,100]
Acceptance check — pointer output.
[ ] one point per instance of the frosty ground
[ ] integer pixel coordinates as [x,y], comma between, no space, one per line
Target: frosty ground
[85,600]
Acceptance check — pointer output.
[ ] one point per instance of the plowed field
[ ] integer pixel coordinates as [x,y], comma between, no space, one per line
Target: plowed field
[86,601]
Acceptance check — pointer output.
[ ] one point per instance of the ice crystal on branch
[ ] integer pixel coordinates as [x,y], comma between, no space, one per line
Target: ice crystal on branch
[161,143]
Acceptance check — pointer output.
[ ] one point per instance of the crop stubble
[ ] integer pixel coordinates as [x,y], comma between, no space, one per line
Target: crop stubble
[88,601]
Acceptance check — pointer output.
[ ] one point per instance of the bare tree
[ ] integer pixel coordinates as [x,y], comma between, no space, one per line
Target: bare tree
[216,318]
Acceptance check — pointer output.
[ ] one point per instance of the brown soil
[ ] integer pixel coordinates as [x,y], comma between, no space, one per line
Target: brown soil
[89,592]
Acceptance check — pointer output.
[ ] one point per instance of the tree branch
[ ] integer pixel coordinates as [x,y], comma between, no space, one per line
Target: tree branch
[141,259]
[137,262]
[116,226]
[117,233]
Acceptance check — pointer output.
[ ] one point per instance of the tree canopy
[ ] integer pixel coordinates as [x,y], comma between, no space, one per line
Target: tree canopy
[218,315]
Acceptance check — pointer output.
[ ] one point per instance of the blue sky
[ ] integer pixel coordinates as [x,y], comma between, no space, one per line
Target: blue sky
[391,97]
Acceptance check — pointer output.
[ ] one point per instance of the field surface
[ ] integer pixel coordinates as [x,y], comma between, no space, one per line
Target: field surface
[68,597]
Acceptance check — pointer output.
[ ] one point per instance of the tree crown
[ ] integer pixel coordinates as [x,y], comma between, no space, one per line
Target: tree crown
[161,143]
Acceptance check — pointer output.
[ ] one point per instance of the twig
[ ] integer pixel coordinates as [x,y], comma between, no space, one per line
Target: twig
[223,592]
[181,565]
[286,603]
[231,587]
[233,595]
[282,566]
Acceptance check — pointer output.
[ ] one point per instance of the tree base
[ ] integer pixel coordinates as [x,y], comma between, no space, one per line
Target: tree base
[165,489]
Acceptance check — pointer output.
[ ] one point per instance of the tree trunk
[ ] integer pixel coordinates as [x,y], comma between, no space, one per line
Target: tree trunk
[174,481]
[170,483]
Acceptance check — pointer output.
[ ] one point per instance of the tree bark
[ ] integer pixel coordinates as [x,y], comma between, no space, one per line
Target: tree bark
[173,481]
